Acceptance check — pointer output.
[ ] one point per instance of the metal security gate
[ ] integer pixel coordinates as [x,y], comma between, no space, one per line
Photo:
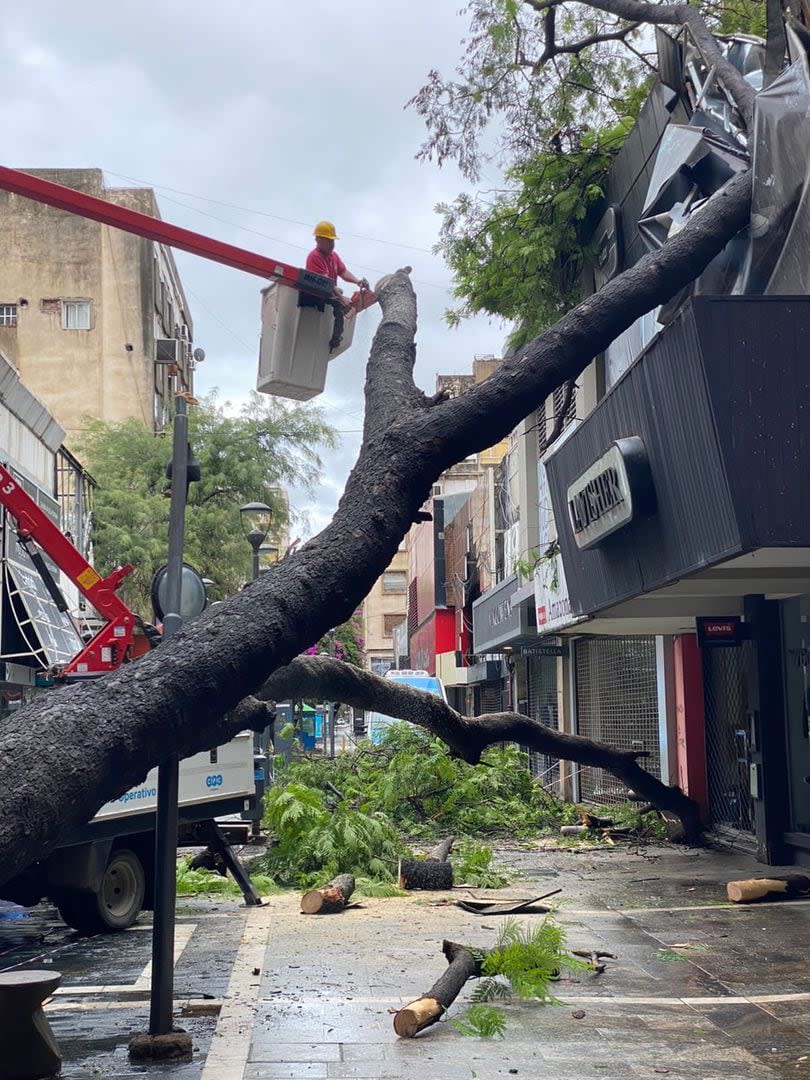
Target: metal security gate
[541,684]
[616,703]
[726,709]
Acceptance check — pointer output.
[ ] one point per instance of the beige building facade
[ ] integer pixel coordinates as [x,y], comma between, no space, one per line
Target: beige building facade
[385,607]
[94,319]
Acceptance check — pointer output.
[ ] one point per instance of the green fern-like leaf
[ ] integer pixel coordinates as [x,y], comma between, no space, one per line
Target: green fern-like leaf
[491,990]
[481,1021]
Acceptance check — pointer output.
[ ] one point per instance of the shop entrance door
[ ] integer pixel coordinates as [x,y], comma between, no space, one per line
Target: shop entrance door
[728,750]
[796,637]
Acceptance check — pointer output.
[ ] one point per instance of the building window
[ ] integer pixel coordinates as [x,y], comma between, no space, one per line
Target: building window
[75,314]
[8,314]
[391,622]
[395,581]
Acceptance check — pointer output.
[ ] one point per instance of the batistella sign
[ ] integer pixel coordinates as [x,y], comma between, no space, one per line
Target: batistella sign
[610,493]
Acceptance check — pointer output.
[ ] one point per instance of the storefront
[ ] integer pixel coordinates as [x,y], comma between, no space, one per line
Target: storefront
[681,498]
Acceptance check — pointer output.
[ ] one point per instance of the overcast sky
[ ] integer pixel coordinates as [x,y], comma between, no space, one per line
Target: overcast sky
[253,121]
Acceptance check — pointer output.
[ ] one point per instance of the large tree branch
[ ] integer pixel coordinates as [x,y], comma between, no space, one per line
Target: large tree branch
[640,12]
[320,678]
[564,350]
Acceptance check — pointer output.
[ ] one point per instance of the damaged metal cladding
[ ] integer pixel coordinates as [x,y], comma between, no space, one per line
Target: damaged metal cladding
[696,159]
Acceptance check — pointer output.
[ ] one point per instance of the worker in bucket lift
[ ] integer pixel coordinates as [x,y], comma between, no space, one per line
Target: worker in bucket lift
[324,260]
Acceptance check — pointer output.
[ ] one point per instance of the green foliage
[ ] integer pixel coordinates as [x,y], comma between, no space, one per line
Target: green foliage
[531,957]
[243,458]
[520,254]
[473,866]
[379,889]
[481,1021]
[525,961]
[411,778]
[740,16]
[348,643]
[316,842]
[207,882]
[504,103]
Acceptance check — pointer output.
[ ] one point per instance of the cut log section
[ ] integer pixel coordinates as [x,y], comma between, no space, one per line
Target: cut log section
[744,892]
[429,1008]
[432,872]
[425,874]
[330,898]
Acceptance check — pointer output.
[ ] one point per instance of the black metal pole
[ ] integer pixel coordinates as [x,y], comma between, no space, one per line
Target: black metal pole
[255,561]
[162,989]
[331,703]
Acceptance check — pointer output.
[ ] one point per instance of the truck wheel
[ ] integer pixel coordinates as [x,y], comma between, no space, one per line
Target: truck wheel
[118,902]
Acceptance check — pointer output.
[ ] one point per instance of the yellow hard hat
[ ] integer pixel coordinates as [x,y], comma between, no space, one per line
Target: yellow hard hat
[326,230]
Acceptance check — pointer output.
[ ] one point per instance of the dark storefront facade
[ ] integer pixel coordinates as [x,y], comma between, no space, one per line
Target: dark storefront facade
[683,497]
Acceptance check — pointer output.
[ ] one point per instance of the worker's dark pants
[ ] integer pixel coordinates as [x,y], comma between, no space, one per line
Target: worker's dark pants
[312,301]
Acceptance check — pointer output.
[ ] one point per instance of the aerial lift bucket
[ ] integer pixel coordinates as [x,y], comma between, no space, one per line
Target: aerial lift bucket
[294,350]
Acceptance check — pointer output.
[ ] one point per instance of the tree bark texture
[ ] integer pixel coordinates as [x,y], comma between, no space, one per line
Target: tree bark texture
[429,874]
[74,748]
[426,1010]
[330,898]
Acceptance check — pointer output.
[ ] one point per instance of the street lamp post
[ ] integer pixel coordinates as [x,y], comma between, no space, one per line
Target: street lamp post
[256,520]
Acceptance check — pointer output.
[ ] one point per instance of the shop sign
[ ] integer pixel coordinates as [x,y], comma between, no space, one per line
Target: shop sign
[551,602]
[609,494]
[498,617]
[719,631]
[544,650]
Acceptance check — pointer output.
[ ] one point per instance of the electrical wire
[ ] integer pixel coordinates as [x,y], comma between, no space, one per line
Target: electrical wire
[288,243]
[263,213]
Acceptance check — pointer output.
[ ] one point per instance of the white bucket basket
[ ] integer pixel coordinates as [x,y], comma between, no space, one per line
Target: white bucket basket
[294,348]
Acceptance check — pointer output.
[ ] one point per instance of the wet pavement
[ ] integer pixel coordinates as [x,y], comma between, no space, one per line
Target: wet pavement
[103,999]
[700,989]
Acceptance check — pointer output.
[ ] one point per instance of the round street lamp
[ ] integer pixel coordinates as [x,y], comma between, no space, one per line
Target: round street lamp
[256,519]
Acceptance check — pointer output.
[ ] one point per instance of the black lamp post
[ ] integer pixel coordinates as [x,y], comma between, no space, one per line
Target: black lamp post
[256,519]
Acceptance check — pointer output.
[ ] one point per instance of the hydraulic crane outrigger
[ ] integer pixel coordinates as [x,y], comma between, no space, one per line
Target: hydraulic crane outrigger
[108,649]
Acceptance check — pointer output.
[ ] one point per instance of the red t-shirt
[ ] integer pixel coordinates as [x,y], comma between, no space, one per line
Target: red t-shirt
[328,265]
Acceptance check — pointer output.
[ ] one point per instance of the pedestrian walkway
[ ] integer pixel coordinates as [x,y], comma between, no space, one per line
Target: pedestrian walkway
[700,990]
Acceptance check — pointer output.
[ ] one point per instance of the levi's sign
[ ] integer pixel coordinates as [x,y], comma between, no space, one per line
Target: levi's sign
[609,494]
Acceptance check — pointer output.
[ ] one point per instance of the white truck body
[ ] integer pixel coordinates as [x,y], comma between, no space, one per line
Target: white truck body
[208,777]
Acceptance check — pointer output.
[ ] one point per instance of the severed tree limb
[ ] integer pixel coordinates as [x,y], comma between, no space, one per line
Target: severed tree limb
[330,898]
[428,1009]
[320,677]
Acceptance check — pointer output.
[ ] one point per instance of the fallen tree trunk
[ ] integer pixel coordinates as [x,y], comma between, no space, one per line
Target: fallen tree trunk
[431,1006]
[72,749]
[330,898]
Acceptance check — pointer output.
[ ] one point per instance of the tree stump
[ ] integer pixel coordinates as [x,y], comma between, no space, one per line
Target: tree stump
[330,898]
[28,1049]
[426,1010]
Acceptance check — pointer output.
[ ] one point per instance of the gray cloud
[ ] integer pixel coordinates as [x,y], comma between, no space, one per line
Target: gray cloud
[270,108]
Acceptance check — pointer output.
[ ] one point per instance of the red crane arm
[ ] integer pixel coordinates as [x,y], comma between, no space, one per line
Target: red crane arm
[105,651]
[121,217]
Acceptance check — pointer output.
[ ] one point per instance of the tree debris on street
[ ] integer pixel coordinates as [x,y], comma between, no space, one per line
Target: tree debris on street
[435,871]
[329,899]
[523,964]
[788,885]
